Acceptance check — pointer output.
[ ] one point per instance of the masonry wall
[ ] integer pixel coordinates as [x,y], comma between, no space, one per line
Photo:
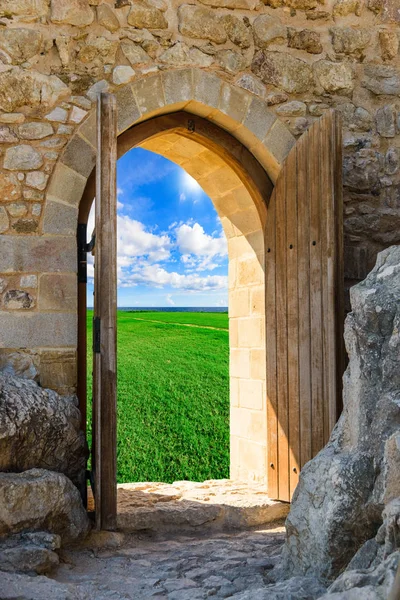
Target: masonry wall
[300,56]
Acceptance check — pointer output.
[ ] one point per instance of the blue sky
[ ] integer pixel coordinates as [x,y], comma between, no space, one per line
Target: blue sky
[171,246]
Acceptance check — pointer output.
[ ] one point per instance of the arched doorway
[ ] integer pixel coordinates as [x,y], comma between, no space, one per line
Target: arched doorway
[264,224]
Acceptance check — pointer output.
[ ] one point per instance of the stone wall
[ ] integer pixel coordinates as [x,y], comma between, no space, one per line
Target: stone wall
[300,56]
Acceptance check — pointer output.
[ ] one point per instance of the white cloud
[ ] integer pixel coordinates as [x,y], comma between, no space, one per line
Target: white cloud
[134,240]
[157,276]
[199,250]
[170,302]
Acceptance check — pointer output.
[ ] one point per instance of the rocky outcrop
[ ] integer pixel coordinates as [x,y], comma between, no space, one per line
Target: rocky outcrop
[342,492]
[39,428]
[30,552]
[40,500]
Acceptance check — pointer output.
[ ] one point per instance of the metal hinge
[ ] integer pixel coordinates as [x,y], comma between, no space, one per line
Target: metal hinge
[96,335]
[83,249]
[191,125]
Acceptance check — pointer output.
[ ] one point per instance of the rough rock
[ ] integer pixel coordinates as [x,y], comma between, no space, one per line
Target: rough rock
[19,87]
[23,8]
[17,209]
[244,4]
[268,29]
[342,8]
[252,84]
[24,587]
[25,407]
[231,61]
[7,136]
[35,131]
[237,31]
[382,80]
[145,16]
[334,77]
[72,12]
[389,42]
[29,552]
[338,503]
[122,74]
[283,70]
[296,588]
[10,188]
[306,39]
[107,17]
[20,44]
[202,23]
[40,500]
[98,48]
[386,121]
[22,157]
[292,109]
[352,42]
[4,220]
[37,180]
[18,300]
[134,53]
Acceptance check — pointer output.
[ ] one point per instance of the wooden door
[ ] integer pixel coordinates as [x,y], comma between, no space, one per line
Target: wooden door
[304,304]
[104,323]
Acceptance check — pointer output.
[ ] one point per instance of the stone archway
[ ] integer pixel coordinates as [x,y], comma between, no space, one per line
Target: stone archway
[240,200]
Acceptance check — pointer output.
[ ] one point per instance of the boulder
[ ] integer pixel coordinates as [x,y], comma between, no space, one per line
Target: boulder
[338,504]
[29,552]
[24,587]
[40,500]
[202,23]
[39,428]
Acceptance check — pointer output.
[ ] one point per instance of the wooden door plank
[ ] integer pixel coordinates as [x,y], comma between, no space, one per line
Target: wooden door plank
[303,261]
[281,346]
[339,266]
[106,310]
[292,277]
[315,292]
[328,226]
[270,315]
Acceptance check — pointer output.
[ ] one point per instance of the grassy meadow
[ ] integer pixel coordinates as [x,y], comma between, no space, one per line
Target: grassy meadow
[173,395]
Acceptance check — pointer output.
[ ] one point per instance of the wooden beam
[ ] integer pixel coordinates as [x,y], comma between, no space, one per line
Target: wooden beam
[105,351]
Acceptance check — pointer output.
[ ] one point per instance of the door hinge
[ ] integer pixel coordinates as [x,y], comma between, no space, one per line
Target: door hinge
[191,125]
[83,249]
[96,335]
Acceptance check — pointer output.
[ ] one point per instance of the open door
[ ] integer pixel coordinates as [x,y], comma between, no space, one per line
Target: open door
[304,304]
[104,448]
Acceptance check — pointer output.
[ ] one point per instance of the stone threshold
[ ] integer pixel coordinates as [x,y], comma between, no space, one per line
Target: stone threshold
[185,506]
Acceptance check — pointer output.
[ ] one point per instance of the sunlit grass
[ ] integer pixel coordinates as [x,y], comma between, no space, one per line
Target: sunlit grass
[173,396]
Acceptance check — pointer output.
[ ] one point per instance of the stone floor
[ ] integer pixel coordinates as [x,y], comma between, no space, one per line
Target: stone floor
[146,566]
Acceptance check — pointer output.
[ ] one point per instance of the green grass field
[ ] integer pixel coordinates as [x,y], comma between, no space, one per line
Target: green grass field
[173,396]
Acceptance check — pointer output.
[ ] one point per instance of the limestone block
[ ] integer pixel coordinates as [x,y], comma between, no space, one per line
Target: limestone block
[206,88]
[73,12]
[292,109]
[283,70]
[198,22]
[305,39]
[22,157]
[57,292]
[79,156]
[17,209]
[251,334]
[107,17]
[7,136]
[178,85]
[43,254]
[239,363]
[98,47]
[149,94]
[128,111]
[60,219]
[20,43]
[58,371]
[233,102]
[96,88]
[145,16]
[19,87]
[257,119]
[32,330]
[59,115]
[302,4]
[334,77]
[268,29]
[23,8]
[35,130]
